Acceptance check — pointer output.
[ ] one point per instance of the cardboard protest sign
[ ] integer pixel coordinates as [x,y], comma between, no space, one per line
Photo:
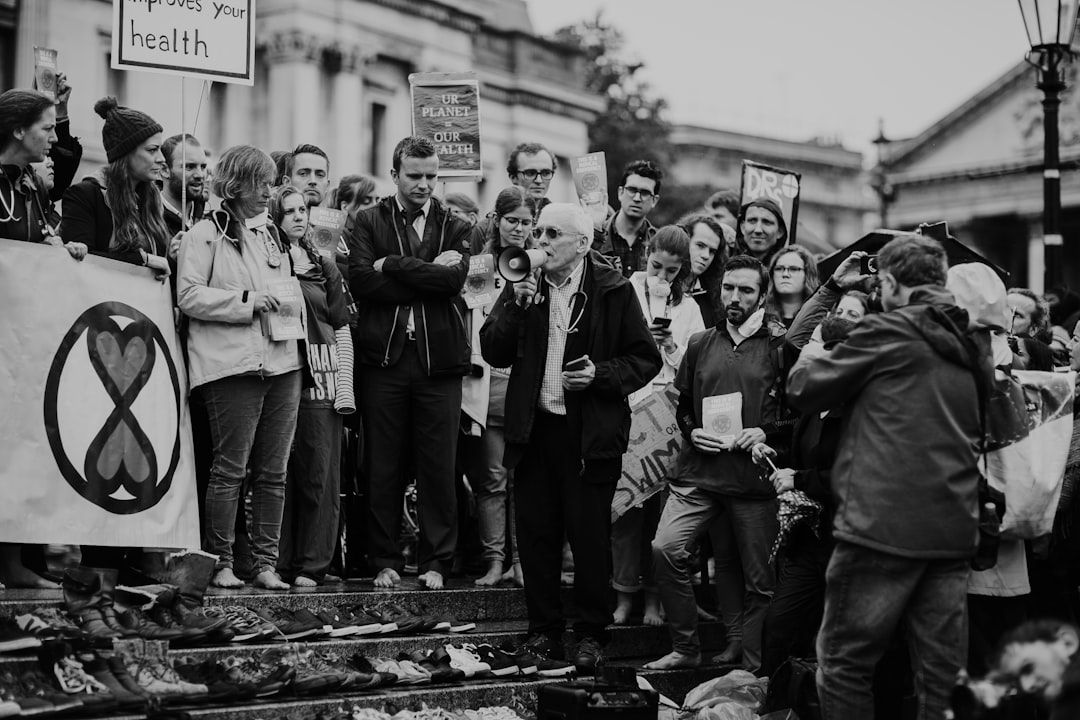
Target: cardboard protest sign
[206,39]
[95,438]
[777,184]
[480,286]
[45,71]
[655,442]
[446,110]
[590,177]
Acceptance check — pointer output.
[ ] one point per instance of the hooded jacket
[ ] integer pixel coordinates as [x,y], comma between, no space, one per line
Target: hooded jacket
[905,477]
[406,282]
[612,332]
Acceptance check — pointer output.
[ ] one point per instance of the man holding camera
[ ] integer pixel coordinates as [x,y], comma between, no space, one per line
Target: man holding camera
[578,345]
[905,481]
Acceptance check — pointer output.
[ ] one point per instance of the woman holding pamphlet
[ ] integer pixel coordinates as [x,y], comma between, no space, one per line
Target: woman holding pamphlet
[484,399]
[236,283]
[309,526]
[117,212]
[673,317]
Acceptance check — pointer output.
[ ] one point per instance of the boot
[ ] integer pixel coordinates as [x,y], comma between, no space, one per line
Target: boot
[84,599]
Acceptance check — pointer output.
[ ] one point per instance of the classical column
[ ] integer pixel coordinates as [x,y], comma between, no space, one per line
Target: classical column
[347,109]
[1036,252]
[293,58]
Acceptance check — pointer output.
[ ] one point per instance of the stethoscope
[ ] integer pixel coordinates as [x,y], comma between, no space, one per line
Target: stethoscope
[572,325]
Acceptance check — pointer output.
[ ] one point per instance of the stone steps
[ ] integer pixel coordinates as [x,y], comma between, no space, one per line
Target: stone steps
[499,615]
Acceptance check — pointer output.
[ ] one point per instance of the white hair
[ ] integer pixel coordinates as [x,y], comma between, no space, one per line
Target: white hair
[567,216]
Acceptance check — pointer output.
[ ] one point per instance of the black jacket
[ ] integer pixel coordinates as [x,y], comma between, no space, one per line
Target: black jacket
[612,333]
[433,292]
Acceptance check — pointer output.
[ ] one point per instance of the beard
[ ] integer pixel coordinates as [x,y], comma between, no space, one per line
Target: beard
[736,315]
[194,192]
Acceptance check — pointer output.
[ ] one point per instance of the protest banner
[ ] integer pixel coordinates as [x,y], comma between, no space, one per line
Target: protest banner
[655,441]
[195,38]
[446,111]
[95,438]
[777,184]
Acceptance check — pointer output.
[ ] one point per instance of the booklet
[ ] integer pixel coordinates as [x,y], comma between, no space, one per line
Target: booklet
[45,71]
[721,415]
[325,226]
[590,177]
[287,322]
[480,287]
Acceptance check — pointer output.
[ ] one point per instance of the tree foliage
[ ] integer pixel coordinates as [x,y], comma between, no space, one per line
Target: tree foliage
[633,126]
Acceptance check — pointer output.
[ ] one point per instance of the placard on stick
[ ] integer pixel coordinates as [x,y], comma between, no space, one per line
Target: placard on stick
[777,184]
[446,111]
[205,39]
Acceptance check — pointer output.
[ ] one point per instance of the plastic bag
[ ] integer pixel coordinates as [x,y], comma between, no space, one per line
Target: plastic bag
[737,688]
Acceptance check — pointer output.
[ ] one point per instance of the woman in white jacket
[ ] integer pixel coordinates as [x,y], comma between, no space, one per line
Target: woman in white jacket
[673,317]
[234,270]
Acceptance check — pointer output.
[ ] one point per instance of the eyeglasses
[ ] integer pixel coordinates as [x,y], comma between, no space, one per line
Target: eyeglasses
[789,269]
[514,222]
[642,192]
[551,233]
[531,174]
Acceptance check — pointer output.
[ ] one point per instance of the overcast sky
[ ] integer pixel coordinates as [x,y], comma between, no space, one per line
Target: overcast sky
[798,69]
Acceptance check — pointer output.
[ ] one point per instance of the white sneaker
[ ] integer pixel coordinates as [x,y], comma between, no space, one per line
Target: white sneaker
[465,659]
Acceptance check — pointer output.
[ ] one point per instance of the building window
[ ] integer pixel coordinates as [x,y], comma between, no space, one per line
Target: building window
[378,135]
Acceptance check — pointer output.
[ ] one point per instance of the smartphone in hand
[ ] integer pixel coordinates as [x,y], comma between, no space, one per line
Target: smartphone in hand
[578,364]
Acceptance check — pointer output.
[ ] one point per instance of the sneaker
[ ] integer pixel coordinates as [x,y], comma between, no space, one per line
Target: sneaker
[35,687]
[465,658]
[14,638]
[344,625]
[217,628]
[405,622]
[361,616]
[526,662]
[441,672]
[548,656]
[136,620]
[365,667]
[211,674]
[303,615]
[355,679]
[50,623]
[99,668]
[245,624]
[459,626]
[502,664]
[312,674]
[74,681]
[588,655]
[289,627]
[267,675]
[13,692]
[163,618]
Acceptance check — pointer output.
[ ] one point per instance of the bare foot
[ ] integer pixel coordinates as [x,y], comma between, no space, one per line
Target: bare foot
[387,578]
[302,581]
[514,576]
[674,660]
[567,579]
[268,580]
[622,607]
[224,578]
[432,580]
[732,654]
[654,613]
[704,615]
[493,576]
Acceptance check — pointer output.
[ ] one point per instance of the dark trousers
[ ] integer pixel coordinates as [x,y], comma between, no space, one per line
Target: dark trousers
[411,421]
[557,494]
[798,602]
[309,524]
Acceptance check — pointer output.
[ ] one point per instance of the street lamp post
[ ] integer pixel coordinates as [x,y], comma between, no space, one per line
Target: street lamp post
[1050,25]
[879,180]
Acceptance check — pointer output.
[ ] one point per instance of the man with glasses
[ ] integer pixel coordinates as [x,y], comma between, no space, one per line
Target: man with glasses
[531,167]
[622,239]
[578,345]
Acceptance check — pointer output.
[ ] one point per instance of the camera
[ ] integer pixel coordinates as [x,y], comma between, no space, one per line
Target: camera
[868,265]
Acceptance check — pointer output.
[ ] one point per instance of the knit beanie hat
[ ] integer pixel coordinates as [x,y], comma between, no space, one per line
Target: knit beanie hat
[125,129]
[770,205]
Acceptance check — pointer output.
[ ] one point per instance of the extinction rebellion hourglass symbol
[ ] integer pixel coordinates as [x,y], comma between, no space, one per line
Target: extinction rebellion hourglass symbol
[120,467]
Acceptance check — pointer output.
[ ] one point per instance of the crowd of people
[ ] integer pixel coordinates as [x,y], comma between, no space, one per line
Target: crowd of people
[858,398]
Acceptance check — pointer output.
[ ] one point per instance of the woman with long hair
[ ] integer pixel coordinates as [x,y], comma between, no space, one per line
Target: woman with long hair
[117,212]
[484,400]
[27,133]
[353,194]
[793,278]
[673,317]
[708,253]
[234,270]
[309,525]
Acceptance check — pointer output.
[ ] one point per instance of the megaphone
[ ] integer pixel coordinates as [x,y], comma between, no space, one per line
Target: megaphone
[515,263]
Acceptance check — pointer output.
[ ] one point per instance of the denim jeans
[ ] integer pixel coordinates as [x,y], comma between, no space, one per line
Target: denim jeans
[747,531]
[491,495]
[631,546]
[252,422]
[868,596]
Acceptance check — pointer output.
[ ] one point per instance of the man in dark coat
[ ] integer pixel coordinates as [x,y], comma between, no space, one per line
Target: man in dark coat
[578,346]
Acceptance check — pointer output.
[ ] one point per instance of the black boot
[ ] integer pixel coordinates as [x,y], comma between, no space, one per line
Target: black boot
[84,600]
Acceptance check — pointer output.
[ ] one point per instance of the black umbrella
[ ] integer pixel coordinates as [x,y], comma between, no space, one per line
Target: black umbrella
[872,242]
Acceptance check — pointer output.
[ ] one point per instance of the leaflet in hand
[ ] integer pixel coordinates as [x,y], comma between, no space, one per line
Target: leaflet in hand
[325,226]
[286,323]
[590,177]
[480,288]
[721,415]
[45,71]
